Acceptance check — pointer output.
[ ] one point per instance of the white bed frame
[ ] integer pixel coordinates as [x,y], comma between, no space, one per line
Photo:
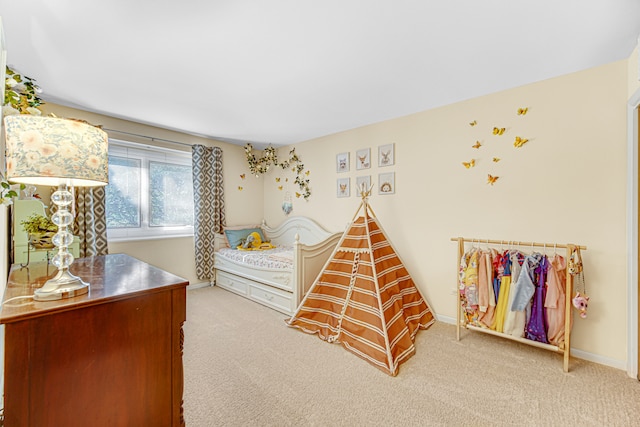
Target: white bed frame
[282,290]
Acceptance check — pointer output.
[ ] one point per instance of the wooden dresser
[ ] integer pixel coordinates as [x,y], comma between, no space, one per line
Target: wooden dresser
[111,358]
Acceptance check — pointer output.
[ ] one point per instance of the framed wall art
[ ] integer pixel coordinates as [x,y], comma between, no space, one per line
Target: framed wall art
[343,187]
[363,181]
[342,162]
[387,183]
[363,158]
[386,155]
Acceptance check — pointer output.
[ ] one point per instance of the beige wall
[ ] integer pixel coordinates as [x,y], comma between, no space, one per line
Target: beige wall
[177,254]
[567,184]
[633,74]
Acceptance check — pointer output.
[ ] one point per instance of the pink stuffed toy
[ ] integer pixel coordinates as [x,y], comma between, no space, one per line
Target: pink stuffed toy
[581,302]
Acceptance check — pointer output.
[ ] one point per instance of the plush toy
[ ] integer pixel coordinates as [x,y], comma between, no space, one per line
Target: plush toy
[581,302]
[254,242]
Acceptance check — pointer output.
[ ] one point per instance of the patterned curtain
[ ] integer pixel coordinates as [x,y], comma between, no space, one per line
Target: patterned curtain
[208,203]
[90,220]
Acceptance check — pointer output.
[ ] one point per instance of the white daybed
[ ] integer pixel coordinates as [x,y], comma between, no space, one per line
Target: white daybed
[281,287]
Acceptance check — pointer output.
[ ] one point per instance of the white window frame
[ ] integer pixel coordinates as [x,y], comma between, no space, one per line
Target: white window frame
[147,153]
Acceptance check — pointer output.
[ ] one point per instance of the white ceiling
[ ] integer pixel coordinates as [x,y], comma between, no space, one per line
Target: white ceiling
[285,71]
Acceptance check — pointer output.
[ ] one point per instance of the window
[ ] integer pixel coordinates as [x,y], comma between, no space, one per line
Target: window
[150,192]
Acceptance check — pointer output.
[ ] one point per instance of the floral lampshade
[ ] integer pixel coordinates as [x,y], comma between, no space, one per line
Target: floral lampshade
[51,151]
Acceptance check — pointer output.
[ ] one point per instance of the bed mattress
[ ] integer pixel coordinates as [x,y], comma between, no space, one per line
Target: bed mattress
[280,258]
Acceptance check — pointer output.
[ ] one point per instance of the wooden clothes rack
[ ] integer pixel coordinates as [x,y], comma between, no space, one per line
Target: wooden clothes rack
[564,348]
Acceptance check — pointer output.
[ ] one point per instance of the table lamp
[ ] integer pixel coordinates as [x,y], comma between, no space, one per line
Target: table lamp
[64,153]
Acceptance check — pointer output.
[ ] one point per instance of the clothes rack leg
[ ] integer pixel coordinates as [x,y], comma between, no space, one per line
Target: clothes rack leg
[458,300]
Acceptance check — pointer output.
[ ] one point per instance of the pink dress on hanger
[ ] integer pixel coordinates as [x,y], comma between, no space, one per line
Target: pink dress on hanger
[487,299]
[555,300]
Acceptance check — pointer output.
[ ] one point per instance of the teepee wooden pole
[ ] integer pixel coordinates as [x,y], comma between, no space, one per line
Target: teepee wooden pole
[357,212]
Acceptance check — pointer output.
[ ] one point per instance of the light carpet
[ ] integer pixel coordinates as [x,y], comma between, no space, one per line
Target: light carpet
[244,367]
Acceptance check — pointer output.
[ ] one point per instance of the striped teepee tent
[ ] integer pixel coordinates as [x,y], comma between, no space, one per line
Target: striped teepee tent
[364,297]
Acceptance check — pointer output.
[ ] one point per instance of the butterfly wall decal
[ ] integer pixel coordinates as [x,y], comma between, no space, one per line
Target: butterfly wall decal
[242,176]
[280,187]
[473,123]
[278,179]
[519,142]
[298,195]
[523,111]
[469,164]
[477,145]
[307,173]
[496,159]
[492,179]
[498,131]
[239,188]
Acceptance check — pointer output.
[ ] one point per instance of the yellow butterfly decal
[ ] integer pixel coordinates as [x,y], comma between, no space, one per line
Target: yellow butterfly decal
[280,187]
[307,173]
[286,180]
[277,179]
[473,123]
[469,164]
[498,131]
[519,142]
[496,159]
[523,111]
[492,179]
[242,176]
[476,145]
[298,195]
[239,188]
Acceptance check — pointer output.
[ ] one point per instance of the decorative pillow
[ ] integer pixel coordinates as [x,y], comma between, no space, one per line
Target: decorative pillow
[236,227]
[236,237]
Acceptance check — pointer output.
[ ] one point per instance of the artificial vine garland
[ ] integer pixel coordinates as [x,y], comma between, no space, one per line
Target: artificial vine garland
[20,95]
[261,165]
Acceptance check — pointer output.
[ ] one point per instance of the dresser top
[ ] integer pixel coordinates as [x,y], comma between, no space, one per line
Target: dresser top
[111,278]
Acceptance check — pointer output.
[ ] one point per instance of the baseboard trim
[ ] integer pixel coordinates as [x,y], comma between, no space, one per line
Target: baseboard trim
[596,358]
[579,354]
[198,285]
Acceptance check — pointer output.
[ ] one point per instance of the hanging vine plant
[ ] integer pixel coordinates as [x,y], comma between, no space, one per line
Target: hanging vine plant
[261,165]
[20,94]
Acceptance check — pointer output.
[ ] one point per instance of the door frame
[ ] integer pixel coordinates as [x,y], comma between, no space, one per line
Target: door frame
[633,105]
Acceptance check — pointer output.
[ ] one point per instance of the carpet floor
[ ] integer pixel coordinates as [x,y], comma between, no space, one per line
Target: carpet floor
[244,367]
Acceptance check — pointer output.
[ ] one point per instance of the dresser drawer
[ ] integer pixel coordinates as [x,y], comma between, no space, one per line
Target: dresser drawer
[272,297]
[232,283]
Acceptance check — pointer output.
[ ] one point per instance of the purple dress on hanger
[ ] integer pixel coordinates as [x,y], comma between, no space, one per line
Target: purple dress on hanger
[537,328]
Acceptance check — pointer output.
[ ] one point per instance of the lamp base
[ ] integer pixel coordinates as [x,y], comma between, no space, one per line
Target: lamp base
[62,285]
